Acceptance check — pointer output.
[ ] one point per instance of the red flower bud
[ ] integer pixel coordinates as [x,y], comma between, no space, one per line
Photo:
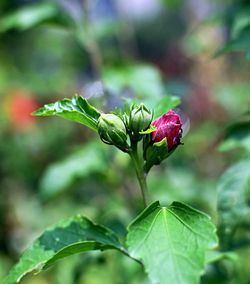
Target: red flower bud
[168,126]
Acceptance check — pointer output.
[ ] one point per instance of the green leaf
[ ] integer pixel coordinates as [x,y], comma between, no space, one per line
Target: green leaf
[73,236]
[165,104]
[233,196]
[172,242]
[61,175]
[28,17]
[77,109]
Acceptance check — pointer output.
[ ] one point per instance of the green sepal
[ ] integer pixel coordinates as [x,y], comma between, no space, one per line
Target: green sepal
[149,130]
[155,153]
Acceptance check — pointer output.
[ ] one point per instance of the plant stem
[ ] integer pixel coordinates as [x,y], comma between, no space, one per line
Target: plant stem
[91,44]
[141,176]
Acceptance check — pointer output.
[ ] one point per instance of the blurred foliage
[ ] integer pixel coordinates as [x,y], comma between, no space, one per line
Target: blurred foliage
[237,136]
[238,19]
[90,159]
[51,169]
[27,17]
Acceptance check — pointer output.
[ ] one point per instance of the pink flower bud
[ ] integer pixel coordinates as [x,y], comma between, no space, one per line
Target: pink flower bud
[168,126]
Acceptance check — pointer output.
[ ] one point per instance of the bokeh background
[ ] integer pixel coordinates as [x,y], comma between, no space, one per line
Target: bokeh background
[107,50]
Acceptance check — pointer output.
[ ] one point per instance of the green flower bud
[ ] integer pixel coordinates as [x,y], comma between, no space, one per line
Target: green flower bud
[140,118]
[112,131]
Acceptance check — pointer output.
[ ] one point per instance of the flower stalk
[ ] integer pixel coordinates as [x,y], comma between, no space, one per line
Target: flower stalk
[138,162]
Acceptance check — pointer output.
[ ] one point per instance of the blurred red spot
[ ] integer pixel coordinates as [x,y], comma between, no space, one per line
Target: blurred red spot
[20,107]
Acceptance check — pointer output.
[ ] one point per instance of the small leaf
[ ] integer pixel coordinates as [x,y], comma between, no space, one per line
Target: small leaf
[172,242]
[73,236]
[78,109]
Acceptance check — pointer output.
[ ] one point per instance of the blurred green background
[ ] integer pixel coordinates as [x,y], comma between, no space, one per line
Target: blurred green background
[110,51]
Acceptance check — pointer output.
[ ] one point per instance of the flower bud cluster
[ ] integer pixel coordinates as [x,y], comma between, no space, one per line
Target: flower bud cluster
[160,137]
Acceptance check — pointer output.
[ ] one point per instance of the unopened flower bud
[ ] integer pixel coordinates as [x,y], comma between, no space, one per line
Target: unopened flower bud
[140,118]
[168,126]
[164,139]
[112,131]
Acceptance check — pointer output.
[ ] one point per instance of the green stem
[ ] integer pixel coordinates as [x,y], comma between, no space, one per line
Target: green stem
[91,43]
[141,176]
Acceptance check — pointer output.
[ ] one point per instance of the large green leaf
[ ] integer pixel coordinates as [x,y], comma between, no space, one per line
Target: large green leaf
[77,109]
[172,242]
[233,196]
[73,236]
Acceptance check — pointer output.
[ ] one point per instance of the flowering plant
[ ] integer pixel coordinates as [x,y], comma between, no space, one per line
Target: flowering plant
[170,242]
